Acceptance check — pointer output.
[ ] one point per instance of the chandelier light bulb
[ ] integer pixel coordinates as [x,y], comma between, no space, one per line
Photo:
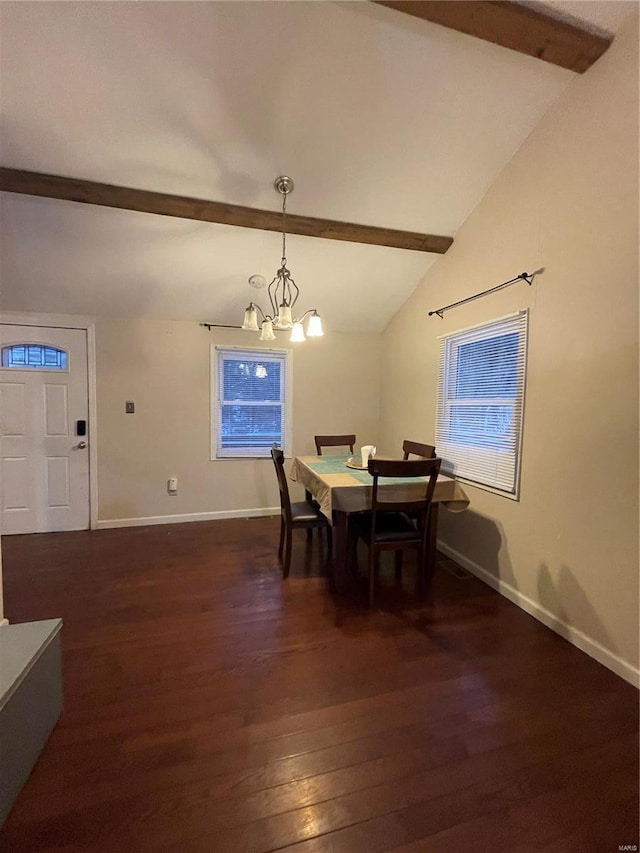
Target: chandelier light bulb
[314,326]
[284,320]
[297,333]
[250,322]
[267,333]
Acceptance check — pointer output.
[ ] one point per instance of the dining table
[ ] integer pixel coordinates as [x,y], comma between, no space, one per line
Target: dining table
[341,487]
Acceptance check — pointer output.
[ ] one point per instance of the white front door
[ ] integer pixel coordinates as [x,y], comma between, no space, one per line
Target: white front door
[44,429]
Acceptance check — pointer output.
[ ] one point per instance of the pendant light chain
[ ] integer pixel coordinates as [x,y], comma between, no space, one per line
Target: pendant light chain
[284,229]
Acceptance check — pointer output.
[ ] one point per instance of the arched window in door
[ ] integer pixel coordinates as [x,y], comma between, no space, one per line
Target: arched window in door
[34,357]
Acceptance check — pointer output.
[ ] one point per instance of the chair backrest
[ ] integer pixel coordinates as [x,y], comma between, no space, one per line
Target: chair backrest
[381,468]
[426,451]
[334,441]
[278,461]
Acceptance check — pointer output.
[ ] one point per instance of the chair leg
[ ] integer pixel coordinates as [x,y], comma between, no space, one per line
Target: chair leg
[329,530]
[398,563]
[308,548]
[352,548]
[374,561]
[286,565]
[281,545]
[424,578]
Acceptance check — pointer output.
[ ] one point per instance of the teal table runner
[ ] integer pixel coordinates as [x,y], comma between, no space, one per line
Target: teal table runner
[340,488]
[336,465]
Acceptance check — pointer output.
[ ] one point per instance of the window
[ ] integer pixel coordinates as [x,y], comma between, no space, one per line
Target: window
[480,402]
[34,357]
[251,401]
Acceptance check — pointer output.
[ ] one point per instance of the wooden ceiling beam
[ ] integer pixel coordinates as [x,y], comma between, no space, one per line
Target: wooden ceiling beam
[522,28]
[183,207]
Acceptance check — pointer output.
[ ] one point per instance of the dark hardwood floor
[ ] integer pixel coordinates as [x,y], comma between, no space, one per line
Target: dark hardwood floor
[210,706]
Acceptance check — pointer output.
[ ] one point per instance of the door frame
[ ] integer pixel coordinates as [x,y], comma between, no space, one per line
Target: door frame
[73,321]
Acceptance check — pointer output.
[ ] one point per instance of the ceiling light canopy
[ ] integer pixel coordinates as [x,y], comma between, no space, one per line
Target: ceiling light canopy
[283,293]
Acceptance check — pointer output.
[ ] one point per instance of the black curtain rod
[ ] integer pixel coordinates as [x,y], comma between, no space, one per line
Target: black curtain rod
[524,276]
[210,326]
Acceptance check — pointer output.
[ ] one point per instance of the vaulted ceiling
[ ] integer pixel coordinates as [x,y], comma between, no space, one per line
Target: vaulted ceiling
[381,119]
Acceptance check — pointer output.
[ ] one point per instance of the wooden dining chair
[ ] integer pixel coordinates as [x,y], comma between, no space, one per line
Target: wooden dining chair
[396,525]
[334,441]
[426,451]
[302,515]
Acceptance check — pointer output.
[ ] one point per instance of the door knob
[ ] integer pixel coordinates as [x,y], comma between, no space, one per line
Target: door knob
[81,445]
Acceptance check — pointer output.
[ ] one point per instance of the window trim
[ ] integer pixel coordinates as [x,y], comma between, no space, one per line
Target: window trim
[441,399]
[214,350]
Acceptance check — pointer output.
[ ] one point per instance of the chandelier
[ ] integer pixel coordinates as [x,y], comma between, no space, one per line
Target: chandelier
[283,293]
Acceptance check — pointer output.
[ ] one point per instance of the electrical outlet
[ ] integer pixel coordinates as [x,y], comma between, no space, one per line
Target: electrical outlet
[172,485]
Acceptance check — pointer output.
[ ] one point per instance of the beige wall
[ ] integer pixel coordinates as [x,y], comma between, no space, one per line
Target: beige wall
[164,368]
[567,202]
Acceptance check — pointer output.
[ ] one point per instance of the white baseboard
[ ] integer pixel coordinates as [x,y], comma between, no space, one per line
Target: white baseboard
[187,516]
[3,622]
[573,635]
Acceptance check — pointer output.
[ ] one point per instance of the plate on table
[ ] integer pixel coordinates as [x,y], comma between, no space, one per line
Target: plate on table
[353,463]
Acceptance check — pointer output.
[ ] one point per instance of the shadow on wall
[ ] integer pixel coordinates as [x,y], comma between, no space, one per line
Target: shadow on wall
[480,540]
[565,600]
[483,542]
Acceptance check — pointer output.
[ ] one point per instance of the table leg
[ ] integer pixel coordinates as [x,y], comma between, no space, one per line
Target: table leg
[340,521]
[431,546]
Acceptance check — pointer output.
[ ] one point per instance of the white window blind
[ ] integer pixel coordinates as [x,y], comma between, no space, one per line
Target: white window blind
[481,386]
[251,405]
